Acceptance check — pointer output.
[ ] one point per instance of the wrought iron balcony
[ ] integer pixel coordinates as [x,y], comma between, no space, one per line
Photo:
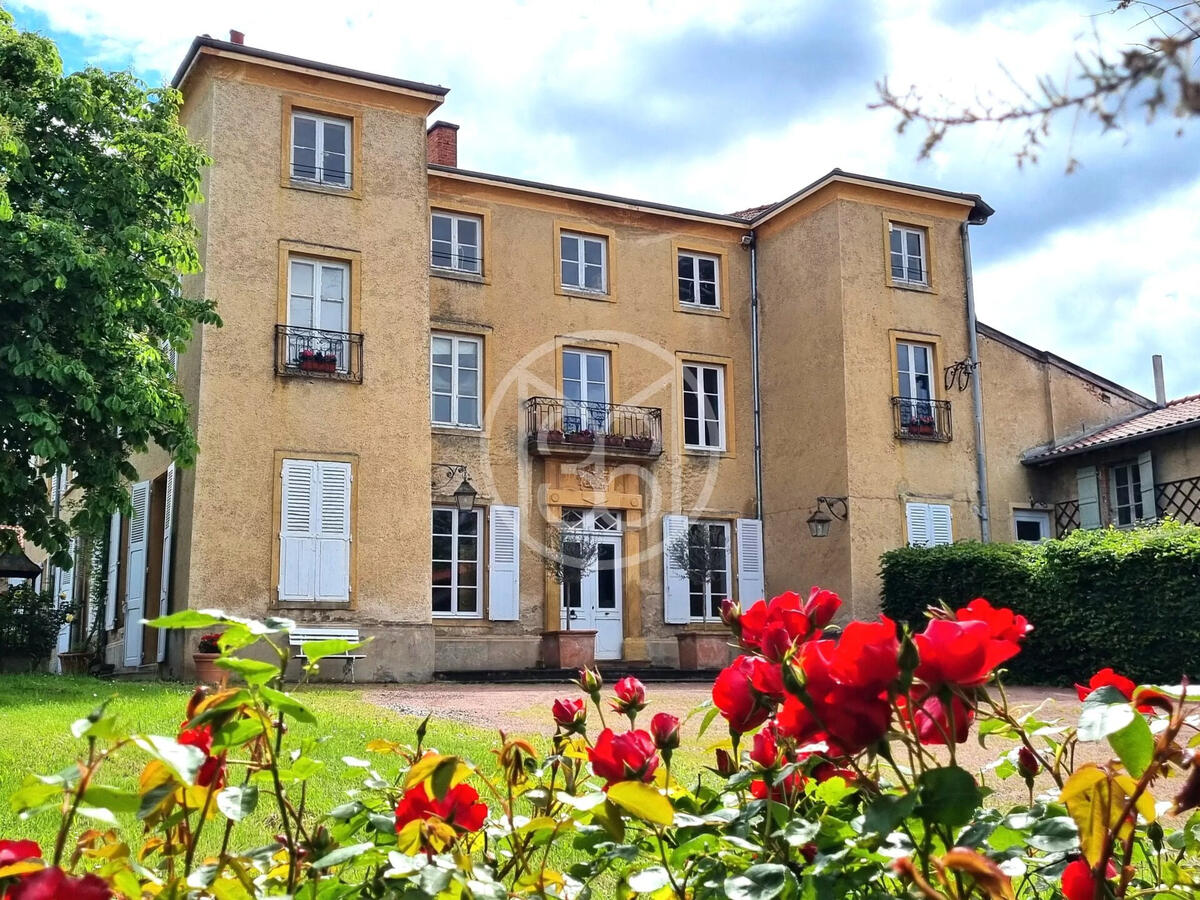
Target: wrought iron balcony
[558,427]
[314,353]
[921,420]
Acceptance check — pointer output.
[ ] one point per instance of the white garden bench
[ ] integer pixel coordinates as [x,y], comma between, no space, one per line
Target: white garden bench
[298,637]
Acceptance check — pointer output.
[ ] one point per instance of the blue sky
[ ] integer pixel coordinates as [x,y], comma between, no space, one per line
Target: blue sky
[723,104]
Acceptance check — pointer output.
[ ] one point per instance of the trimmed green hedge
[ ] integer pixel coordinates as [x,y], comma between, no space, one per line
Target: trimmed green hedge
[1126,599]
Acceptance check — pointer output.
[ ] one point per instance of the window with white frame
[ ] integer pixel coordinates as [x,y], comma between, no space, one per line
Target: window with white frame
[709,569]
[456,242]
[318,305]
[1127,505]
[584,262]
[929,524]
[908,257]
[586,391]
[703,406]
[456,555]
[697,273]
[455,361]
[1031,525]
[321,149]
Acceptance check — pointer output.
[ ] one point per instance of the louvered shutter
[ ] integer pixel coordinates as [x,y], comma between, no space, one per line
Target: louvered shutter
[110,584]
[66,595]
[164,592]
[504,563]
[1146,474]
[677,603]
[1089,497]
[940,521]
[917,517]
[135,592]
[750,562]
[297,531]
[333,533]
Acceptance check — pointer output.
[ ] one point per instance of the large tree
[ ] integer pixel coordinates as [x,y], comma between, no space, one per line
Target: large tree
[97,177]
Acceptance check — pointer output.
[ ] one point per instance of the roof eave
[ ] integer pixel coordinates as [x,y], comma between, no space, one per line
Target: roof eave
[1048,457]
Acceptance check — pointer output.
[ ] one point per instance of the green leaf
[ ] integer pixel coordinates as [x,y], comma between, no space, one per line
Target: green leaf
[342,854]
[112,798]
[318,650]
[707,720]
[182,759]
[887,811]
[1134,745]
[833,791]
[642,800]
[288,705]
[1104,711]
[948,796]
[1058,834]
[647,881]
[254,671]
[187,618]
[238,802]
[761,882]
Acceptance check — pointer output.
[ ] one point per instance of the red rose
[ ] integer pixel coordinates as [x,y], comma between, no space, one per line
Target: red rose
[927,714]
[821,606]
[771,627]
[1003,624]
[664,728]
[569,715]
[1027,763]
[16,851]
[1077,881]
[867,655]
[55,884]
[460,807]
[766,750]
[962,653]
[746,692]
[623,757]
[631,697]
[731,615]
[784,792]
[725,764]
[212,770]
[1109,678]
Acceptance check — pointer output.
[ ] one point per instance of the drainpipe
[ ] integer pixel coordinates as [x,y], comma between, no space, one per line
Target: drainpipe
[985,524]
[751,241]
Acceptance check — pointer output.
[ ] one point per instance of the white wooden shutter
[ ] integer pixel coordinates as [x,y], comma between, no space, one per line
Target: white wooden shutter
[297,531]
[1146,474]
[940,522]
[110,584]
[677,603]
[164,591]
[1089,497]
[750,562]
[135,592]
[504,563]
[333,533]
[917,517]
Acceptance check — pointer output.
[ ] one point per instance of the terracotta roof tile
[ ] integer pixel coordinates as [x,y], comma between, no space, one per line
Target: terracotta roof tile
[752,213]
[1181,413]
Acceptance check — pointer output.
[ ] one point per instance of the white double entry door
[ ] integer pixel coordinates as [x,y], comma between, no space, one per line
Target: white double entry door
[591,592]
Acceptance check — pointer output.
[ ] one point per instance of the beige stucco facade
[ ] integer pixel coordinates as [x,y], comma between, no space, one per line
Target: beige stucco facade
[831,317]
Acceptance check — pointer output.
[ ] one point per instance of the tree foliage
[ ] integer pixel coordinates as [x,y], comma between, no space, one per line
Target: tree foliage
[1160,72]
[96,179]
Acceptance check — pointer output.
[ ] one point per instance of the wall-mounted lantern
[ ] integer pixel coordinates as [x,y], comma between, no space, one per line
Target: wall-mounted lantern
[464,494]
[828,509]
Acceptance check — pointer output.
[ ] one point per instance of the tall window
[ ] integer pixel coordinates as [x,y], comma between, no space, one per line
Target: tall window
[585,376]
[1127,493]
[583,262]
[454,365]
[914,367]
[708,552]
[697,275]
[318,298]
[456,243]
[314,531]
[456,555]
[703,406]
[321,149]
[908,255]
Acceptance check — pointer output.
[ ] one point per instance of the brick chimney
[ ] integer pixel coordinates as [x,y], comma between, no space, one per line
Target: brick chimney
[441,144]
[236,37]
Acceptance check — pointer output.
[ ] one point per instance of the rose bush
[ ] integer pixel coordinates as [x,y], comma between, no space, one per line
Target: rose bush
[838,777]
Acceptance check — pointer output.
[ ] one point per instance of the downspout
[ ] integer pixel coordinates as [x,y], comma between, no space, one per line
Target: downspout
[751,241]
[985,524]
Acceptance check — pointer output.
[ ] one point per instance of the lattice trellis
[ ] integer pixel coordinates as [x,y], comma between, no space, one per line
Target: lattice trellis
[1179,499]
[1066,517]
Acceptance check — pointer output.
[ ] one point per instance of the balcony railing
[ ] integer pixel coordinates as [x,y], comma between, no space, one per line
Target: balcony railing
[575,427]
[921,420]
[314,353]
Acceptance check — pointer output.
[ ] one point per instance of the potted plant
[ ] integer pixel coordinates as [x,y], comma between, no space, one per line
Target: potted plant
[583,436]
[614,440]
[569,555]
[641,442]
[695,554]
[78,659]
[205,657]
[308,360]
[329,362]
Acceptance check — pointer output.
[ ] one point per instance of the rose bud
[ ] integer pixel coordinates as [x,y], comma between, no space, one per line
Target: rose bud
[765,751]
[570,715]
[590,683]
[631,697]
[725,764]
[731,615]
[821,607]
[1027,763]
[664,728]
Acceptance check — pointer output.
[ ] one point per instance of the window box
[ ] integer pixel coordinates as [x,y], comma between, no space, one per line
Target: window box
[581,437]
[551,436]
[642,442]
[614,440]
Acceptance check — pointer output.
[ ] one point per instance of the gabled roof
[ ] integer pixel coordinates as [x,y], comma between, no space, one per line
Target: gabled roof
[1177,415]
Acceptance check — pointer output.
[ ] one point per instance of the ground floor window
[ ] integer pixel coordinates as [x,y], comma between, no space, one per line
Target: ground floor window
[456,555]
[708,569]
[1031,525]
[929,524]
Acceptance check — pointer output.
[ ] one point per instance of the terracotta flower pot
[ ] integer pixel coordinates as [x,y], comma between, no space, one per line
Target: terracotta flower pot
[701,650]
[568,649]
[206,668]
[73,663]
